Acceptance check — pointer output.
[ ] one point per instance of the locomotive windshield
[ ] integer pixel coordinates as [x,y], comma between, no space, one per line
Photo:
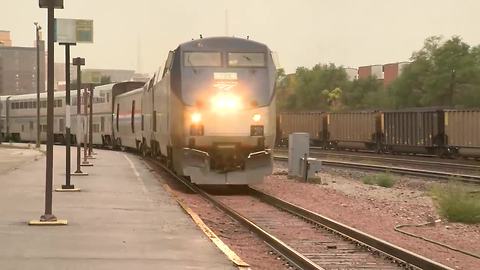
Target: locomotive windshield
[246,59]
[203,59]
[248,76]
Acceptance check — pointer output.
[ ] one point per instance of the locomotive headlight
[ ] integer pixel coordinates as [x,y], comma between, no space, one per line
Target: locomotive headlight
[196,118]
[226,102]
[256,117]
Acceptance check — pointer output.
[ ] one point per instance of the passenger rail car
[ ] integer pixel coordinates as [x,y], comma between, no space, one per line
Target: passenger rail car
[211,112]
[128,121]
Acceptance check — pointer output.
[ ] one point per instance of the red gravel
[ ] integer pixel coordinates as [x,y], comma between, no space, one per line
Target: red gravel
[376,210]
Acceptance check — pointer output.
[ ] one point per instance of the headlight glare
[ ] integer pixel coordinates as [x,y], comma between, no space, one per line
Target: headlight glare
[196,118]
[256,117]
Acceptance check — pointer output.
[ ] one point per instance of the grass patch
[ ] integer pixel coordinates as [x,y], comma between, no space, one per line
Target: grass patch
[383,180]
[457,203]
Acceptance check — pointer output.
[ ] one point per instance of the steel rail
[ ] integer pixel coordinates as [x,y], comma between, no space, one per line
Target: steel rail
[380,157]
[293,256]
[390,250]
[398,170]
[403,160]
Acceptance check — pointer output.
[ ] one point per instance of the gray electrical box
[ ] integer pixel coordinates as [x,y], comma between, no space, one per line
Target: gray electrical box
[300,165]
[298,147]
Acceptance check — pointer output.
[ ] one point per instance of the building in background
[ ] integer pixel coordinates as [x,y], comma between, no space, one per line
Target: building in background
[5,39]
[352,73]
[373,71]
[115,75]
[18,67]
[392,71]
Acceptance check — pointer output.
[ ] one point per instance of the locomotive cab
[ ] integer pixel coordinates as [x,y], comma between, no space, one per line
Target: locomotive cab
[225,87]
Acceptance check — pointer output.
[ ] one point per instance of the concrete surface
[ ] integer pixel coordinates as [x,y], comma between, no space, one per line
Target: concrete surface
[122,219]
[12,156]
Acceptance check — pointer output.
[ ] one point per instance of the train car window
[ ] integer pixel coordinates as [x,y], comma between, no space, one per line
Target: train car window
[118,110]
[168,63]
[21,105]
[108,97]
[133,116]
[102,124]
[158,74]
[154,120]
[142,121]
[246,59]
[31,125]
[202,59]
[150,84]
[34,105]
[61,124]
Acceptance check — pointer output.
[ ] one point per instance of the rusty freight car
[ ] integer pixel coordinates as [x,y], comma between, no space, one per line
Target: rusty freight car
[355,130]
[313,123]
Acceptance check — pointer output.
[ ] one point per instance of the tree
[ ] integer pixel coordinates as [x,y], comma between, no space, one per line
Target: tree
[441,74]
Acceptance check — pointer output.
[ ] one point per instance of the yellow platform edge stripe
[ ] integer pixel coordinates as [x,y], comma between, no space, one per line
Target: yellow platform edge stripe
[48,223]
[68,190]
[231,255]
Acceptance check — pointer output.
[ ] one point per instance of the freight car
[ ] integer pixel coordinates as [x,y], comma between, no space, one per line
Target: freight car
[313,123]
[355,130]
[462,132]
[418,130]
[435,131]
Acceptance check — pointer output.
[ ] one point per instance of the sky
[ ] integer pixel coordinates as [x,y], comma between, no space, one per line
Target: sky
[351,33]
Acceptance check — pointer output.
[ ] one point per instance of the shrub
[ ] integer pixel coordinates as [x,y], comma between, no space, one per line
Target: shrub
[383,180]
[457,202]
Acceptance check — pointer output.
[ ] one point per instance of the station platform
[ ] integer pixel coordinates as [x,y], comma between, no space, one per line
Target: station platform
[122,218]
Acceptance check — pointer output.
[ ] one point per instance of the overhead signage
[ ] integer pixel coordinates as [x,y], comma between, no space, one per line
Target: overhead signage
[57,4]
[73,31]
[89,76]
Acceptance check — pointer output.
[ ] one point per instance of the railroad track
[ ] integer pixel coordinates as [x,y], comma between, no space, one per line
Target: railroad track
[329,245]
[411,160]
[469,178]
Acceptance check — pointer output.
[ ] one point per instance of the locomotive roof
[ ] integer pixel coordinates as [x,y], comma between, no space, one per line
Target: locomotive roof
[220,43]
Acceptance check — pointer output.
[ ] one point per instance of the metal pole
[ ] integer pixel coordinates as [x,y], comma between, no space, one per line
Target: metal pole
[67,116]
[37,28]
[48,216]
[90,124]
[79,112]
[85,100]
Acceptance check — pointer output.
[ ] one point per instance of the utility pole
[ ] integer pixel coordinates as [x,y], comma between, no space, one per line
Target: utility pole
[78,61]
[37,29]
[85,129]
[48,218]
[90,125]
[68,186]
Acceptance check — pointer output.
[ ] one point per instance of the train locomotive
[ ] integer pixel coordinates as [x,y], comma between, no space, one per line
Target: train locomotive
[211,115]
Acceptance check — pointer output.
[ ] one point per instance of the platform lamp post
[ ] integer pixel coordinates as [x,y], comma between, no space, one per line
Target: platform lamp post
[90,125]
[68,186]
[37,30]
[78,61]
[85,121]
[48,218]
